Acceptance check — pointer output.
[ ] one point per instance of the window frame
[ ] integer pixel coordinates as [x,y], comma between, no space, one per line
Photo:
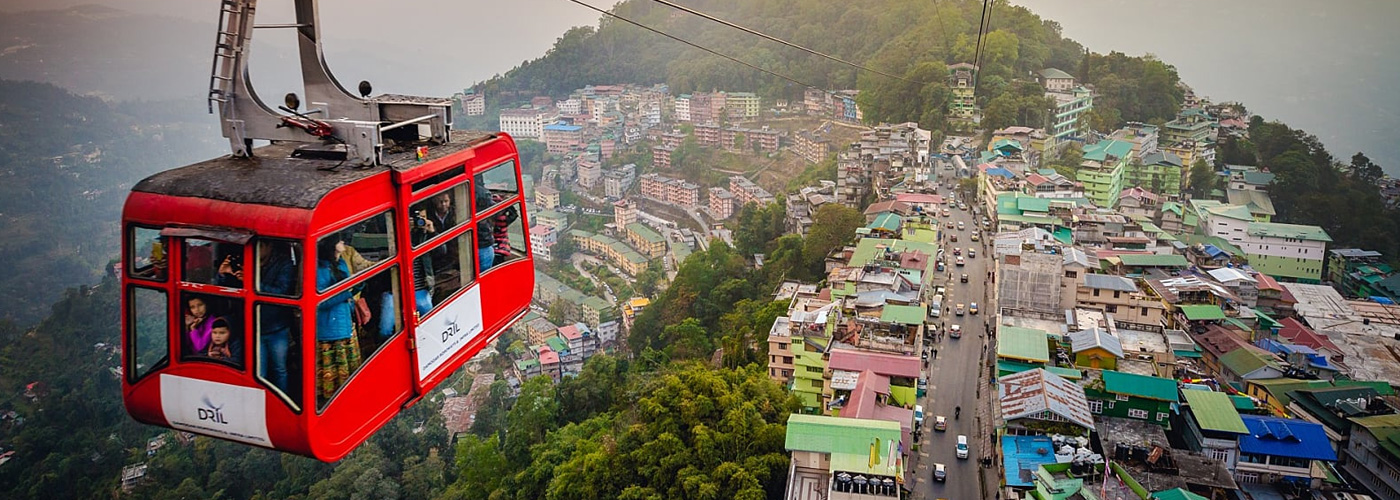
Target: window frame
[131,375]
[427,195]
[388,260]
[243,300]
[267,385]
[425,251]
[299,262]
[129,240]
[401,323]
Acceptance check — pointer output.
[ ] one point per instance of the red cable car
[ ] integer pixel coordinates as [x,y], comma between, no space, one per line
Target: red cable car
[299,295]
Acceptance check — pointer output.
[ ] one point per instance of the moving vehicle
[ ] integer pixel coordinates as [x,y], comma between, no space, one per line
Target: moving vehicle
[957,251]
[317,242]
[972,252]
[962,447]
[962,226]
[955,331]
[946,213]
[972,308]
[974,237]
[964,277]
[958,310]
[940,423]
[940,473]
[962,206]
[961,262]
[953,237]
[949,225]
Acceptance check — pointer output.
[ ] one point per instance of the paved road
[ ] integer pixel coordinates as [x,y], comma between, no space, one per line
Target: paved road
[952,373]
[578,259]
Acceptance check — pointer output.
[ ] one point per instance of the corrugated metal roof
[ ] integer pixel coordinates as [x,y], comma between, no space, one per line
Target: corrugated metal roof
[850,442]
[1286,438]
[903,315]
[1243,362]
[884,364]
[1195,312]
[1176,494]
[1025,344]
[1029,393]
[1154,260]
[1214,411]
[1094,338]
[1132,384]
[1109,282]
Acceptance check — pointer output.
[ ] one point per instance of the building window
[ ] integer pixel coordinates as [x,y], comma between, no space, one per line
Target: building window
[1136,413]
[1120,397]
[1096,406]
[1161,416]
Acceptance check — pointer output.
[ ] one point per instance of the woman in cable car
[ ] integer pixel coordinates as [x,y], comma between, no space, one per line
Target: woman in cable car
[287,303]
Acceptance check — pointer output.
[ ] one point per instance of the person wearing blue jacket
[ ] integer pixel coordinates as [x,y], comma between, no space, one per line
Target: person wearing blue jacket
[337,350]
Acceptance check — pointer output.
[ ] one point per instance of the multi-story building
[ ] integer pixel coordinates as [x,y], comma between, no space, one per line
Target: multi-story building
[742,105]
[624,212]
[846,108]
[1277,449]
[661,156]
[614,251]
[570,107]
[1052,185]
[1102,171]
[560,138]
[668,190]
[542,240]
[702,108]
[1055,80]
[589,173]
[708,135]
[1288,251]
[817,102]
[1158,171]
[1373,455]
[811,147]
[1191,136]
[546,197]
[1063,120]
[672,139]
[682,111]
[852,179]
[645,240]
[721,203]
[963,105]
[1356,272]
[746,192]
[1142,135]
[527,123]
[473,104]
[1120,297]
[617,181]
[739,139]
[1139,201]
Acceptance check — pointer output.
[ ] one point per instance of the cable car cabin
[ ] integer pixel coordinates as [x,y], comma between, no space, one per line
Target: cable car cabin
[296,304]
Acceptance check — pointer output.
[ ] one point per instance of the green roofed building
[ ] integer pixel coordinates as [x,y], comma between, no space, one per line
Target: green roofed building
[1373,457]
[1140,262]
[1026,345]
[1212,424]
[1201,312]
[1176,494]
[1248,364]
[1129,395]
[824,447]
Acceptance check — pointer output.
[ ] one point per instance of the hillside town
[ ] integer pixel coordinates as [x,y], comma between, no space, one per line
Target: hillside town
[1117,338]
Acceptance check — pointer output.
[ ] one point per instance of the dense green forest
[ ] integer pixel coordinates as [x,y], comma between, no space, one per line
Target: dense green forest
[66,164]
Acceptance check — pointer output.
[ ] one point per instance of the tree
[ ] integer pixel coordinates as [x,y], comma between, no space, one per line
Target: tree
[650,278]
[1363,169]
[532,417]
[1203,180]
[832,226]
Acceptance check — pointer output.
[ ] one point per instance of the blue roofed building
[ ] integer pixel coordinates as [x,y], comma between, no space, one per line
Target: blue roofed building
[1281,449]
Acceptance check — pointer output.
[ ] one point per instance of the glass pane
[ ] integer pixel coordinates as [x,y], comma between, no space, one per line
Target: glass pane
[213,263]
[149,334]
[437,214]
[354,250]
[500,183]
[279,268]
[437,274]
[279,342]
[147,257]
[212,329]
[348,332]
[507,237]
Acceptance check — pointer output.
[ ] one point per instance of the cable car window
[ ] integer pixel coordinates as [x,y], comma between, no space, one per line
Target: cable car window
[356,249]
[507,236]
[279,341]
[346,335]
[148,332]
[499,180]
[437,214]
[493,242]
[147,254]
[279,268]
[437,274]
[439,178]
[212,329]
[212,263]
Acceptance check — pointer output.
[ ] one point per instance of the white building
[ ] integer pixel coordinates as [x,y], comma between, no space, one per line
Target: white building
[474,104]
[570,106]
[526,123]
[542,240]
[683,108]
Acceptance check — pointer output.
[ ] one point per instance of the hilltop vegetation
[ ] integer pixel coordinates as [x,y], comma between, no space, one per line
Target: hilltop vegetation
[911,39]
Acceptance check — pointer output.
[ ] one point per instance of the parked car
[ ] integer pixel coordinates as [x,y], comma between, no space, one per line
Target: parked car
[918,414]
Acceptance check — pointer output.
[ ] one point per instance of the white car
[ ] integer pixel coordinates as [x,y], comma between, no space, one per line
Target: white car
[955,331]
[940,423]
[919,414]
[962,447]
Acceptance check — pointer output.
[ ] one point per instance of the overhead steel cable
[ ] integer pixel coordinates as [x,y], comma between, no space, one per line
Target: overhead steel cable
[768,37]
[698,46]
[943,30]
[984,25]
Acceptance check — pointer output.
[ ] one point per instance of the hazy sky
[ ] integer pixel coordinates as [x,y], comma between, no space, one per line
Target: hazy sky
[1331,68]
